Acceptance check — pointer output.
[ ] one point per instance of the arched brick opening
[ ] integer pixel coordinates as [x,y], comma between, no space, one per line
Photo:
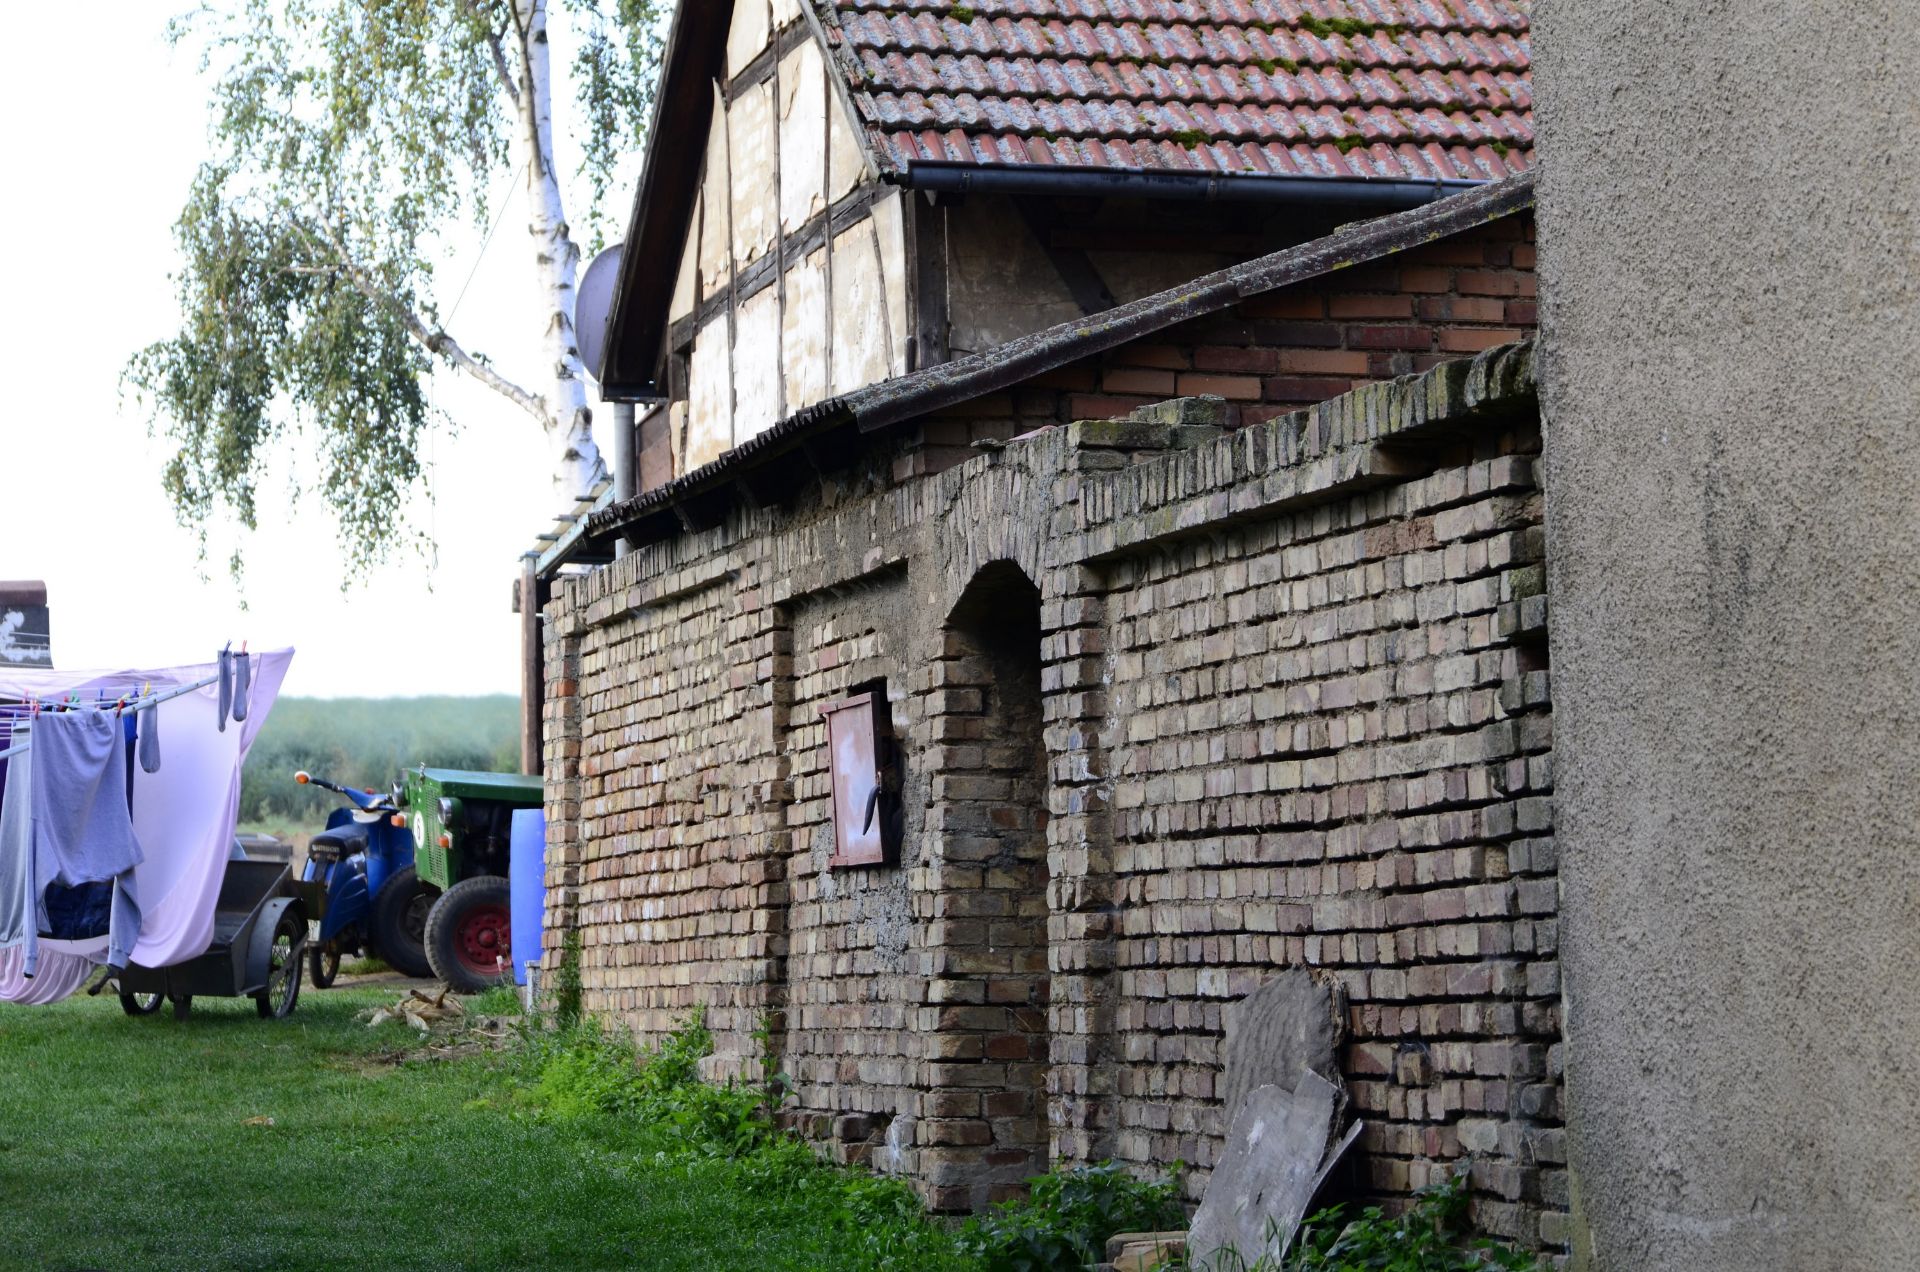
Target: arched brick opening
[984,1125]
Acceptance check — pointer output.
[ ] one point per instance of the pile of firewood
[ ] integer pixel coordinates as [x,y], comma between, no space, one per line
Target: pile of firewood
[440,1011]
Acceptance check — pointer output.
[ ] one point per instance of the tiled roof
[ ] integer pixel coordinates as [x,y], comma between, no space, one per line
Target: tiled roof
[1392,89]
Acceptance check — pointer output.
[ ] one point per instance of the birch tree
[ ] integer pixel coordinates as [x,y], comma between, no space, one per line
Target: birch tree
[352,140]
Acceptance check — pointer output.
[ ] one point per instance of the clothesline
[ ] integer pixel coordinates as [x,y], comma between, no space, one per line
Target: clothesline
[131,704]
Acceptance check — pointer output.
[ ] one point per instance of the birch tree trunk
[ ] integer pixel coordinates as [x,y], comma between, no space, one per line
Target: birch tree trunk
[347,138]
[569,423]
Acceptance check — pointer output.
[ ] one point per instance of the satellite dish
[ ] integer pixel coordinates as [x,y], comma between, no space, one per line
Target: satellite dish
[593,306]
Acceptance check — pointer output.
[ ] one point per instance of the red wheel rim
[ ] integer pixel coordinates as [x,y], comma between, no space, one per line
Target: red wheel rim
[482,941]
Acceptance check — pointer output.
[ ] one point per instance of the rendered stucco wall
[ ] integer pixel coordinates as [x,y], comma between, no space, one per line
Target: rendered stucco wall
[1730,279]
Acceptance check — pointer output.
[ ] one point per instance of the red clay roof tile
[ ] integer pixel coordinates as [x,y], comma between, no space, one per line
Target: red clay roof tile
[1394,89]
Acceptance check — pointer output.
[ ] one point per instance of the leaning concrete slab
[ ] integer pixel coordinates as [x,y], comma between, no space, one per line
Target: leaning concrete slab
[1287,1027]
[1261,1188]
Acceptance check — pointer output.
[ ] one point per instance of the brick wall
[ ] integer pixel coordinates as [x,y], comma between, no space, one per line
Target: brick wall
[851,982]
[656,730]
[1328,752]
[1178,706]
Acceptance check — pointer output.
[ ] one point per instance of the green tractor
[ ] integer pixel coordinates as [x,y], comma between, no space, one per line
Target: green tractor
[455,920]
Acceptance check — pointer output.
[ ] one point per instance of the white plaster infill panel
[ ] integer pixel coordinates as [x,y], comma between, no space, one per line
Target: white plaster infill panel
[849,160]
[756,365]
[803,136]
[752,31]
[716,235]
[687,281]
[804,332]
[861,323]
[677,416]
[889,224]
[750,129]
[710,397]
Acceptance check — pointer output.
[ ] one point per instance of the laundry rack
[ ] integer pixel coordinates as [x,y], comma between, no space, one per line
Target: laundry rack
[120,706]
[202,914]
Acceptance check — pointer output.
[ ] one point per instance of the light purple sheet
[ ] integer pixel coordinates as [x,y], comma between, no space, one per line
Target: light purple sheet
[184,815]
[61,973]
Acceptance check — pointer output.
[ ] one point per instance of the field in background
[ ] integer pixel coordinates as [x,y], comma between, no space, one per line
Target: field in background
[365,742]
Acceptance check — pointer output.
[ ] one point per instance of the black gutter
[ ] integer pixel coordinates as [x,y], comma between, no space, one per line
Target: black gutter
[1343,192]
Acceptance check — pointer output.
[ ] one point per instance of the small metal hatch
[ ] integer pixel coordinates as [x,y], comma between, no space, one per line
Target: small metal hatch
[856,742]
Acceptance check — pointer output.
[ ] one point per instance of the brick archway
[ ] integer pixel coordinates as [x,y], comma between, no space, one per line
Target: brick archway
[984,1129]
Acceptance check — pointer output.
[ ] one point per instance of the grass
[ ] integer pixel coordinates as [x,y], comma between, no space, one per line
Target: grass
[226,1141]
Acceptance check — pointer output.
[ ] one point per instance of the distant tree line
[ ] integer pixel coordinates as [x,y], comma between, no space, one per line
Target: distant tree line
[366,742]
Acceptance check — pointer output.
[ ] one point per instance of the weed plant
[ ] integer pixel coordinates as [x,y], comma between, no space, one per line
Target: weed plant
[1067,1216]
[498,1000]
[1434,1234]
[588,1072]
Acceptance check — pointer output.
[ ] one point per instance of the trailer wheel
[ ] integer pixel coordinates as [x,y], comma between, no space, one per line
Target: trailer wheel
[141,1004]
[182,1005]
[277,1000]
[323,966]
[468,937]
[399,923]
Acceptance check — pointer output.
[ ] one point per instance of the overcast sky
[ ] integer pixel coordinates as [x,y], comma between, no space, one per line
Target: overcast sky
[119,124]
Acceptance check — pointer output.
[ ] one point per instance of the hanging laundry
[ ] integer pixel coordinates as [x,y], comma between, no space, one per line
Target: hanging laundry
[149,731]
[76,911]
[16,841]
[183,818]
[62,972]
[184,814]
[82,830]
[242,675]
[226,688]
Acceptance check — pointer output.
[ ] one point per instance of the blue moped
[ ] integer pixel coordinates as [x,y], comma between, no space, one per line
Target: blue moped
[374,905]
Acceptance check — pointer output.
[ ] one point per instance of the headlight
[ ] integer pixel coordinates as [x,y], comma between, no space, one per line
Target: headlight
[449,812]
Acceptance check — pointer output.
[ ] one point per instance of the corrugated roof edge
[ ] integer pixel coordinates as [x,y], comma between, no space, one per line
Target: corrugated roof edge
[950,383]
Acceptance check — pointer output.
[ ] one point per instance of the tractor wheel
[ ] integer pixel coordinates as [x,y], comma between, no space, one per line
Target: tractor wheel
[141,1004]
[468,937]
[399,927]
[323,965]
[277,1000]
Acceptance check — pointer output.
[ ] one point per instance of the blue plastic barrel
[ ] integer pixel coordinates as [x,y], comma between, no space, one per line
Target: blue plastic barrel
[527,877]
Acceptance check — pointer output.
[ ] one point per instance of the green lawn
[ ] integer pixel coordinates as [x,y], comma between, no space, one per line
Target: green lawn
[137,1143]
